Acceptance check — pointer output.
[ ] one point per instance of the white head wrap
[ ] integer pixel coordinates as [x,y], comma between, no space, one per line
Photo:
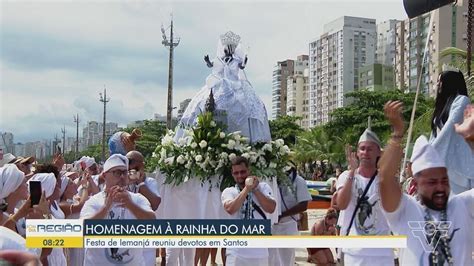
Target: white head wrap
[114,161]
[10,179]
[48,182]
[11,240]
[424,156]
[86,162]
[7,158]
[369,135]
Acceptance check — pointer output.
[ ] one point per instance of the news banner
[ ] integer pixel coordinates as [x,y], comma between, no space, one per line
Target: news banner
[76,233]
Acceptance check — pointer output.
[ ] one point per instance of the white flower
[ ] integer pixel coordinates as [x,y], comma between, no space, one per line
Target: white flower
[222,135]
[223,155]
[198,158]
[203,144]
[213,124]
[163,153]
[167,140]
[232,156]
[182,141]
[246,155]
[279,142]
[237,137]
[267,147]
[188,165]
[194,145]
[169,160]
[284,149]
[231,144]
[180,159]
[272,165]
[154,155]
[253,157]
[262,160]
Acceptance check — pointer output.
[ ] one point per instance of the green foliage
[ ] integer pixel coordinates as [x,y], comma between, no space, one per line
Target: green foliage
[318,145]
[286,128]
[349,122]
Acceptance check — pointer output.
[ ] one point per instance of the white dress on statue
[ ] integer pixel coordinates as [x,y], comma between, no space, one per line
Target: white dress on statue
[234,95]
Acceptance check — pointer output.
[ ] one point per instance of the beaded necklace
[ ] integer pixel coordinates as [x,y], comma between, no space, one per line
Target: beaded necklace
[246,210]
[439,239]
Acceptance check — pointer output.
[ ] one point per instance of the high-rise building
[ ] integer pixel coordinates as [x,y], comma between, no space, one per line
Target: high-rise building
[298,91]
[182,107]
[449,30]
[376,77]
[386,42]
[347,44]
[20,149]
[6,142]
[92,133]
[281,71]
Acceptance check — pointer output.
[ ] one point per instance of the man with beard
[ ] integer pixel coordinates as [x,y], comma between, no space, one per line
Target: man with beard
[359,201]
[438,228]
[116,202]
[248,199]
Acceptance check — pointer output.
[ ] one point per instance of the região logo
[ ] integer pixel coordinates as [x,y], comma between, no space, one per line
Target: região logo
[31,229]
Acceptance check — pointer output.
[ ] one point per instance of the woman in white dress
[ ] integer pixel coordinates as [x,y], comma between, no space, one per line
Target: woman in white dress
[236,104]
[451,101]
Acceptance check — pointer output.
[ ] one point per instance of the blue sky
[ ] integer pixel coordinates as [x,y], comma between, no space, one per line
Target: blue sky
[57,56]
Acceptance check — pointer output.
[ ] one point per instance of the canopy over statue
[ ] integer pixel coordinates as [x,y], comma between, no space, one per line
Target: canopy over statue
[236,104]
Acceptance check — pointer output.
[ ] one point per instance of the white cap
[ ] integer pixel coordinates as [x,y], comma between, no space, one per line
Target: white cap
[114,161]
[369,135]
[424,156]
[7,158]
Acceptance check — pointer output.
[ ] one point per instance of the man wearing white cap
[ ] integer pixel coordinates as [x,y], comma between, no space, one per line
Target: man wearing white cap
[116,203]
[438,228]
[359,200]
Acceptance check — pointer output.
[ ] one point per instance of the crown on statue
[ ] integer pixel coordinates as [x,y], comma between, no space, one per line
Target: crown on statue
[447,67]
[230,38]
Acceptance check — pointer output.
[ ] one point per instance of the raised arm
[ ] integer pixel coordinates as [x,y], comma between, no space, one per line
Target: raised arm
[232,206]
[390,190]
[268,204]
[208,62]
[242,65]
[344,194]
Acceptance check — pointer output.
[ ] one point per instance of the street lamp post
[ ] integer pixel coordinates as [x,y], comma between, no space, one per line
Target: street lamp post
[171,43]
[105,100]
[76,120]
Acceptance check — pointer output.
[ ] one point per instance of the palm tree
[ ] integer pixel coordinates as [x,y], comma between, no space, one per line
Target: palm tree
[459,60]
[317,145]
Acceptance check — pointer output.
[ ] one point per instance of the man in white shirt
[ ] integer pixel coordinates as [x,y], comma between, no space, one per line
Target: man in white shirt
[248,199]
[116,203]
[438,227]
[146,186]
[362,213]
[293,201]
